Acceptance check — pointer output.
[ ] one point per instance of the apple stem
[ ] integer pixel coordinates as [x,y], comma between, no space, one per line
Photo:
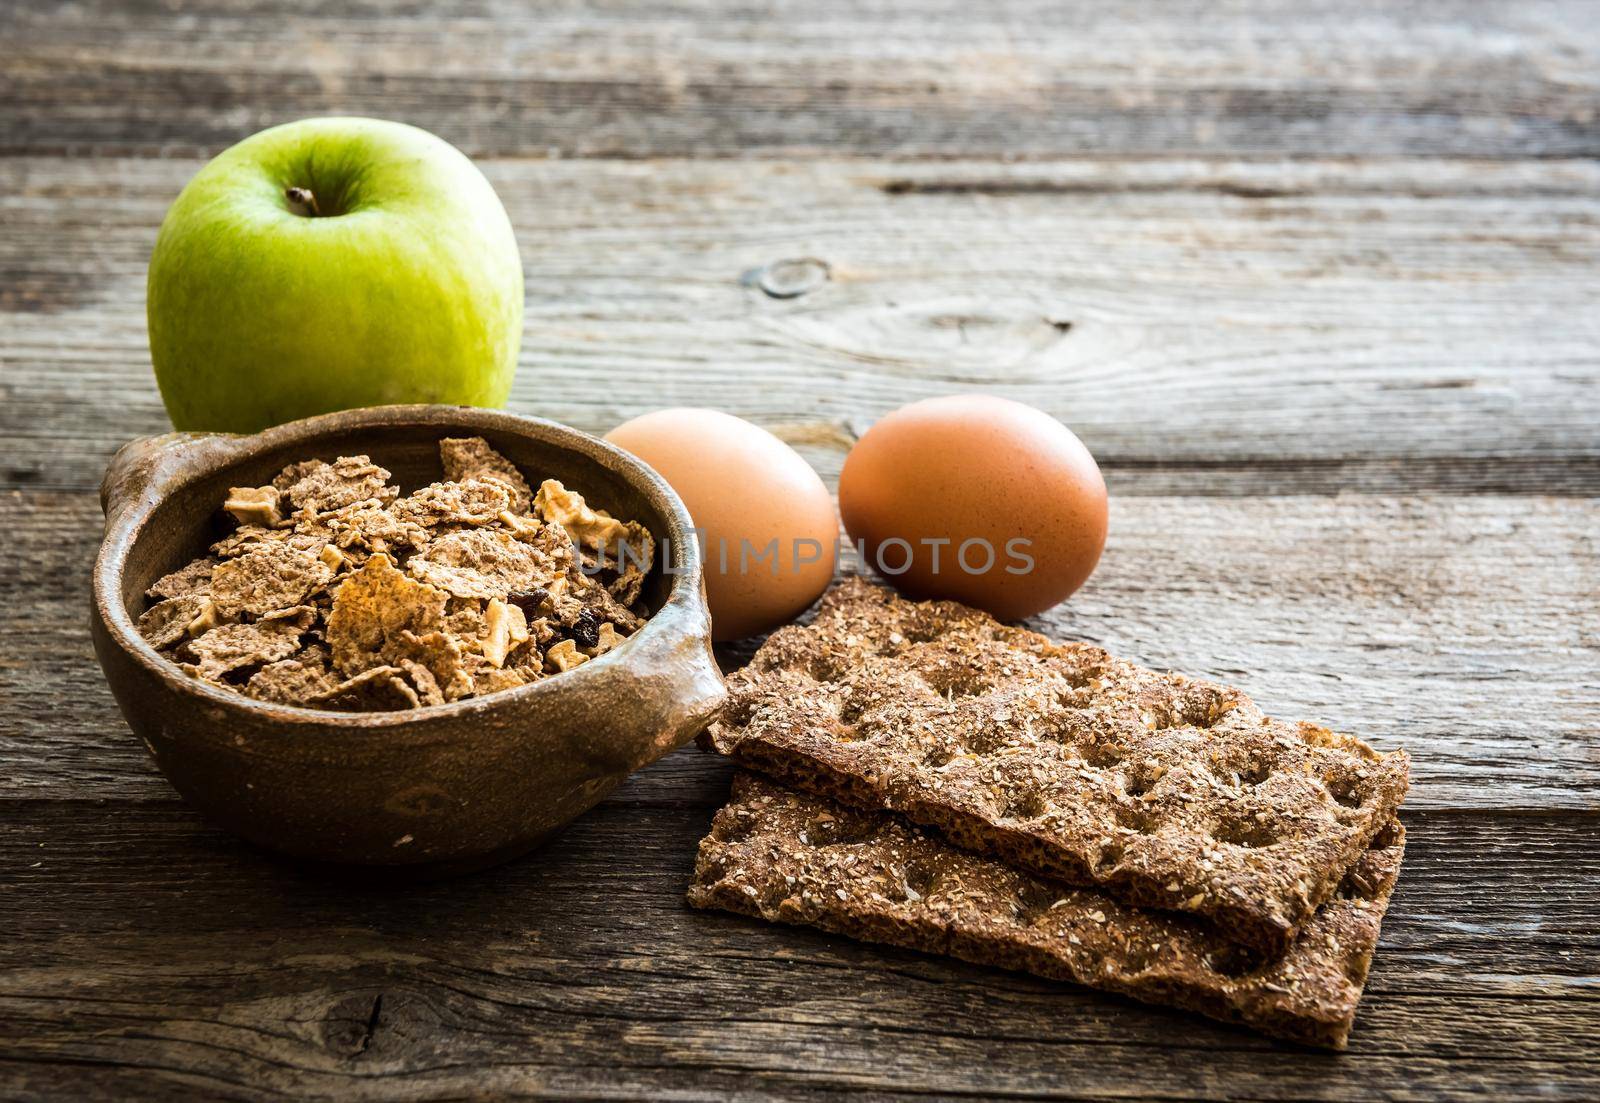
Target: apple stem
[303,201]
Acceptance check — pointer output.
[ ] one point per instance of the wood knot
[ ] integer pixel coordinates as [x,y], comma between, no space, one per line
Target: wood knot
[352,1022]
[789,278]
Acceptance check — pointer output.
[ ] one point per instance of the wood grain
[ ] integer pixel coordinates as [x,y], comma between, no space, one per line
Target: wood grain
[580,971]
[1315,281]
[1460,628]
[908,78]
[1207,327]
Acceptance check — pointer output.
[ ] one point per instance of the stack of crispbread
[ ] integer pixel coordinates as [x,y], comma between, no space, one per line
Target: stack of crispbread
[937,780]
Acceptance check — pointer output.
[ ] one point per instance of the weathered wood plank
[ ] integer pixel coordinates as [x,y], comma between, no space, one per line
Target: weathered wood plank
[1208,327]
[579,970]
[904,78]
[1307,250]
[1460,628]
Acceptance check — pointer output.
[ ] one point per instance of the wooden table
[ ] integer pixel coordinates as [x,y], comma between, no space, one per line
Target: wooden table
[1317,282]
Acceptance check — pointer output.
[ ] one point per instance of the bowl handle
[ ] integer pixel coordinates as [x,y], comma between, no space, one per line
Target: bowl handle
[142,470]
[684,661]
[704,693]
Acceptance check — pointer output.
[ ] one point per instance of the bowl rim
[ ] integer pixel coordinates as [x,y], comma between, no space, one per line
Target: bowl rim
[685,604]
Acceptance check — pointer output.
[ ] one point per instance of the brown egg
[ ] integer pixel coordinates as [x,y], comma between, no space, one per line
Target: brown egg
[976,498]
[767,523]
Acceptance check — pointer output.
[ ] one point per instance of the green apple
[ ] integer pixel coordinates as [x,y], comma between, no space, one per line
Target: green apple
[333,263]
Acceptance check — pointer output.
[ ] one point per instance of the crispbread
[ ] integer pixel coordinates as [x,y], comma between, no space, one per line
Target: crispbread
[792,858]
[1166,791]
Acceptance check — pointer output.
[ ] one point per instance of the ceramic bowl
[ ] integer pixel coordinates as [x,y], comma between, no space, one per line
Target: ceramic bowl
[436,789]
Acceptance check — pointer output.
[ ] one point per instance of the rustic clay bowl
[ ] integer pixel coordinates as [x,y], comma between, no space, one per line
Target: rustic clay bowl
[439,789]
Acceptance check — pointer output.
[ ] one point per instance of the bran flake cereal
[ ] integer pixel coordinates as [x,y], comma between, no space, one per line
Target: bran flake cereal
[333,590]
